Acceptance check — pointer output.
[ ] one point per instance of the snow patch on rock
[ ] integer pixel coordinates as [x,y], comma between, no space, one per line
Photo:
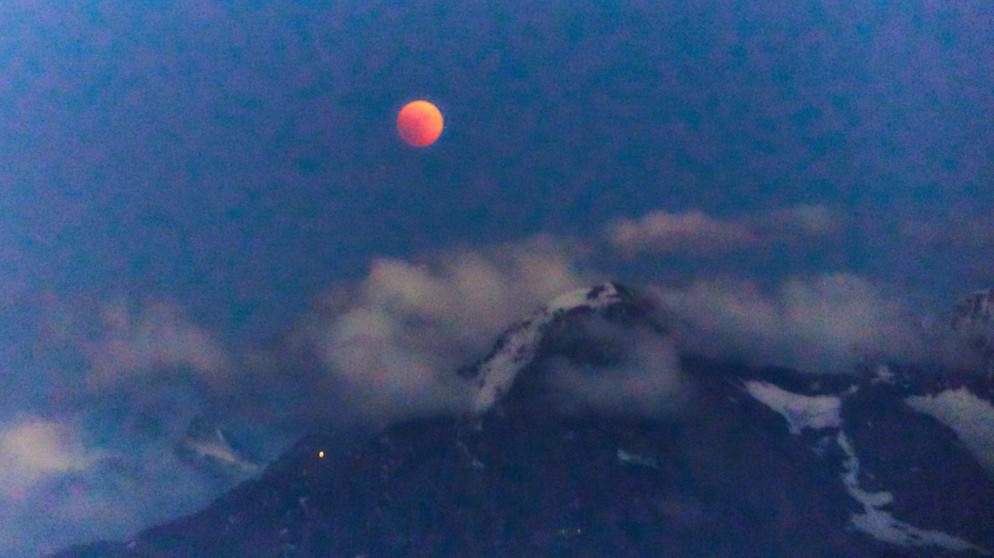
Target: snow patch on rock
[969,416]
[516,348]
[881,524]
[800,411]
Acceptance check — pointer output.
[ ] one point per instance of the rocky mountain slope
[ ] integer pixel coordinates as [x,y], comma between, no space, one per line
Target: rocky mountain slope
[581,442]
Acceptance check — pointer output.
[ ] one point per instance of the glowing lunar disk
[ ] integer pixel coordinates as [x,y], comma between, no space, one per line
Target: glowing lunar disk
[419,123]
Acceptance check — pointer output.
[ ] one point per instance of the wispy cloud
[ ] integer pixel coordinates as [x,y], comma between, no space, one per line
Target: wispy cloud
[645,381]
[135,341]
[826,323]
[693,232]
[661,232]
[57,487]
[34,449]
[91,449]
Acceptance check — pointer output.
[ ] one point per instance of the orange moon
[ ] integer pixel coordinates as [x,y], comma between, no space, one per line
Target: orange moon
[419,123]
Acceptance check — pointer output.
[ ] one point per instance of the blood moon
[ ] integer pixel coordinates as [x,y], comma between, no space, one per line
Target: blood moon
[419,123]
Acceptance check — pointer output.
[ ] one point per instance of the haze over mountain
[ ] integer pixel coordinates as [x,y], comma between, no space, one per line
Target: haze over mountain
[588,433]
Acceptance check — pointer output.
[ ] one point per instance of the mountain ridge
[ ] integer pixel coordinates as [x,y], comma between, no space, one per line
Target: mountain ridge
[752,462]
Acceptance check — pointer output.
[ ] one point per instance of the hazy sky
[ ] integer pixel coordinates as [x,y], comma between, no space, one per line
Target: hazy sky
[205,209]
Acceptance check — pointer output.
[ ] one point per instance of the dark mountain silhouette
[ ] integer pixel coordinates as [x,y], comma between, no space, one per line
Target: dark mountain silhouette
[723,460]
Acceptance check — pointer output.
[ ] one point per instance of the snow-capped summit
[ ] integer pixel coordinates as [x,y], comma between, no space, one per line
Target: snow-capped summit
[595,297]
[516,348]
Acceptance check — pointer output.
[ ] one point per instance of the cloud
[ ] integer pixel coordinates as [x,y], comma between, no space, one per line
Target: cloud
[100,394]
[129,375]
[394,341]
[827,323]
[646,379]
[661,232]
[693,232]
[369,352]
[34,450]
[57,490]
[137,341]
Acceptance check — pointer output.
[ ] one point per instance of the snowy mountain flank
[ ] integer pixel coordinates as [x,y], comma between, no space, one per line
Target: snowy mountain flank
[590,434]
[517,347]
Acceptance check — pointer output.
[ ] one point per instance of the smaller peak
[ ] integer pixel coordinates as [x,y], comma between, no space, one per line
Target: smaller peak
[206,444]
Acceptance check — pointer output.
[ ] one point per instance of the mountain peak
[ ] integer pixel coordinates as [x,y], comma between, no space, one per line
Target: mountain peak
[597,296]
[760,462]
[205,445]
[517,346]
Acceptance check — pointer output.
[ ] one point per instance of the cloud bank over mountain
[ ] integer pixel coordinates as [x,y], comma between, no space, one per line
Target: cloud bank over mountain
[646,381]
[124,377]
[828,323]
[393,341]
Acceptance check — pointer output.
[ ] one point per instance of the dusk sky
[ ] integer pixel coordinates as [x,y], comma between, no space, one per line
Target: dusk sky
[206,211]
